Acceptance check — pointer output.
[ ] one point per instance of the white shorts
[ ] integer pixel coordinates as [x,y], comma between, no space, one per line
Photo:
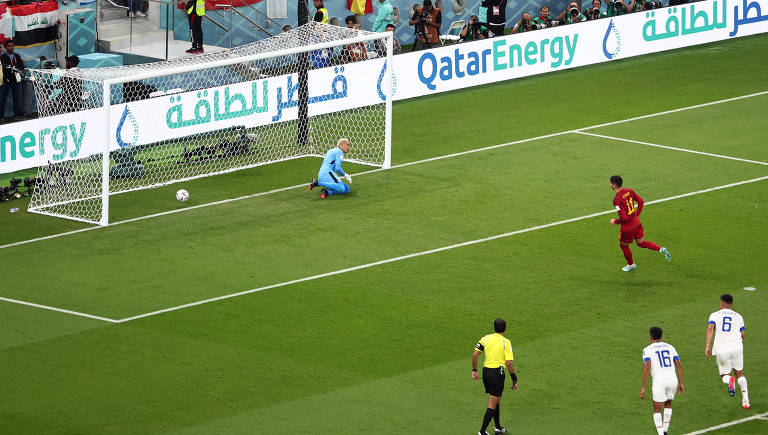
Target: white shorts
[664,389]
[730,359]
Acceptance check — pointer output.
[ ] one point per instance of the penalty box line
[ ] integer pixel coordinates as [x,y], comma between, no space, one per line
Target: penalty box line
[427,252]
[720,156]
[730,423]
[402,165]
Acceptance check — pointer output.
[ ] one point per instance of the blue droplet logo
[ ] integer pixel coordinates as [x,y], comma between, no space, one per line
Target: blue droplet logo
[611,42]
[381,80]
[127,128]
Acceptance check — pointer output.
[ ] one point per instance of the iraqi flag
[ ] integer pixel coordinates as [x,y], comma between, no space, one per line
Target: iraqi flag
[35,23]
[360,7]
[6,28]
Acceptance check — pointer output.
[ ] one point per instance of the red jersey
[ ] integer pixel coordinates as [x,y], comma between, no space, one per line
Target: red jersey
[624,201]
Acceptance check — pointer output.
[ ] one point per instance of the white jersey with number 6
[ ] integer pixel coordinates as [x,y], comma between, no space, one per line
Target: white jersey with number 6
[661,356]
[728,326]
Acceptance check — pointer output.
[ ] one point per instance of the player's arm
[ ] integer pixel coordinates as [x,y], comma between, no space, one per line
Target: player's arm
[640,203]
[679,367]
[474,364]
[710,331]
[646,371]
[623,217]
[512,374]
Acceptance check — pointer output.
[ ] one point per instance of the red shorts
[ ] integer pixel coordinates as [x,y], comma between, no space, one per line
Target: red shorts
[632,234]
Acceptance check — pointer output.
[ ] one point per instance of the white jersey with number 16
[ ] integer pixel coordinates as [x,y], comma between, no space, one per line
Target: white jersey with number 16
[661,356]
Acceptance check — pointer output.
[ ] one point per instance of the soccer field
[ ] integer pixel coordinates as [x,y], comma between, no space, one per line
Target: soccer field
[256,307]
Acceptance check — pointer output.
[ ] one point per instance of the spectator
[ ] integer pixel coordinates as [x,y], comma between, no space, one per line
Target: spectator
[426,22]
[594,12]
[616,7]
[636,6]
[482,11]
[545,20]
[353,52]
[13,72]
[396,49]
[571,14]
[474,30]
[69,98]
[497,16]
[385,16]
[525,25]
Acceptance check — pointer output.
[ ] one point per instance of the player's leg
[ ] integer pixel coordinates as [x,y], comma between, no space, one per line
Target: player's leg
[493,402]
[498,428]
[724,367]
[627,255]
[332,184]
[658,420]
[738,370]
[493,379]
[667,415]
[641,242]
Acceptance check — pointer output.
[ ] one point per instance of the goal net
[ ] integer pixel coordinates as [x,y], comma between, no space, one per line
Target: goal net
[135,127]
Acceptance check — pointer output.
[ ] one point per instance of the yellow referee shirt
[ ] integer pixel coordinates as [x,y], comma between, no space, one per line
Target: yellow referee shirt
[498,350]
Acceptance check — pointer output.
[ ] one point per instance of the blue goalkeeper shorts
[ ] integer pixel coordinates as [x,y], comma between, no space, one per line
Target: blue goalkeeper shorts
[331,181]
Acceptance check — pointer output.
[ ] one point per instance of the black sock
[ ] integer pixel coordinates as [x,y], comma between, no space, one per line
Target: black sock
[487,419]
[496,415]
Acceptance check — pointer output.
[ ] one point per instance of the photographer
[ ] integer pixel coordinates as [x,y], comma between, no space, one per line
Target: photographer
[13,72]
[474,30]
[616,7]
[594,12]
[571,15]
[636,6]
[544,20]
[524,25]
[426,22]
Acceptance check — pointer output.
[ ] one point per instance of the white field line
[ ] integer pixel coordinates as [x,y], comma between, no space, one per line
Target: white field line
[61,310]
[427,252]
[376,263]
[757,162]
[730,423]
[402,165]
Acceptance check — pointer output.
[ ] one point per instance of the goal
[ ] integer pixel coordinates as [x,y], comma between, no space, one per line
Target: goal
[291,96]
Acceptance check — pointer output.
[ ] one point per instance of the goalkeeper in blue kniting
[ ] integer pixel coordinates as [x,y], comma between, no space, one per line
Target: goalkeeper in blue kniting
[330,174]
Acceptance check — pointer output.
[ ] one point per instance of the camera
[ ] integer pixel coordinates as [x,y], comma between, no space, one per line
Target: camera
[574,12]
[595,13]
[652,5]
[618,6]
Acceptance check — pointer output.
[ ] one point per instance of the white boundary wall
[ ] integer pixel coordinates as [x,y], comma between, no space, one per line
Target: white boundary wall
[76,135]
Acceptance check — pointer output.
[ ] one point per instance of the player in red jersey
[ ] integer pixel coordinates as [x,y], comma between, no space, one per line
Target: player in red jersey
[631,228]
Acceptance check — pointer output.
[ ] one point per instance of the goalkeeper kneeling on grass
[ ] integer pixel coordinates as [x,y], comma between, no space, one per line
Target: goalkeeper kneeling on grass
[330,174]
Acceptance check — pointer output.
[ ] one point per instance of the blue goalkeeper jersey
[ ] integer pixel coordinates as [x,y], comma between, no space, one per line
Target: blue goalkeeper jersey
[332,162]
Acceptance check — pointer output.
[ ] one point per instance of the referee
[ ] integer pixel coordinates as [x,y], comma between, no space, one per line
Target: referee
[498,352]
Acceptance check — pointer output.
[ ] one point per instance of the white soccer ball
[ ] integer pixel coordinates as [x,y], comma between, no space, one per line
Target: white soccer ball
[182,195]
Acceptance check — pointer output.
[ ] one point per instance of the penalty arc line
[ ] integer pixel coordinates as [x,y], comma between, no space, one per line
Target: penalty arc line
[402,165]
[427,252]
[730,423]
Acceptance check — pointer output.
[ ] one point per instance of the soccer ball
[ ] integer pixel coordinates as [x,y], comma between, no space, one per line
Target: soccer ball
[182,195]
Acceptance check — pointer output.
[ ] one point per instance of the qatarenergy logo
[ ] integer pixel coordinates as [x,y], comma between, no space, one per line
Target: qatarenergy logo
[555,52]
[64,140]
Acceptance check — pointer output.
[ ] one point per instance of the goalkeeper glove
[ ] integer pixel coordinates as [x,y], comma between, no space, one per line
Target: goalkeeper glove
[348,178]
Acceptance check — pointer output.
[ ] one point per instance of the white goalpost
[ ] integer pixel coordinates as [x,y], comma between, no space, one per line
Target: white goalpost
[142,126]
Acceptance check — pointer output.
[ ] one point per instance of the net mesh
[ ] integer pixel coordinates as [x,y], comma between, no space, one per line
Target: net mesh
[209,114]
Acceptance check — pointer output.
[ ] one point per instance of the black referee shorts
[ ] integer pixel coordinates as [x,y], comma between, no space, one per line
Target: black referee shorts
[493,379]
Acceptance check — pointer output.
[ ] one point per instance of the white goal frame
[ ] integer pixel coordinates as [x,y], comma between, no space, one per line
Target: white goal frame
[107,84]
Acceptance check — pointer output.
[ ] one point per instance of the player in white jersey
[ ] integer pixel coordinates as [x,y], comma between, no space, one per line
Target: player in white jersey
[661,359]
[728,326]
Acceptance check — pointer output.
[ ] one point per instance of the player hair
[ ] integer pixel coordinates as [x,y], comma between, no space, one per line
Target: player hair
[655,332]
[342,140]
[499,325]
[727,298]
[616,179]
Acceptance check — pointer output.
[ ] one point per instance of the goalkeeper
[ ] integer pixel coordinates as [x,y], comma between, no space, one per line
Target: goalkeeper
[327,176]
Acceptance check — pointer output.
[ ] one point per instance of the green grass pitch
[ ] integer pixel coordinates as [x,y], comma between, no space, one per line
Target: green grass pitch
[386,348]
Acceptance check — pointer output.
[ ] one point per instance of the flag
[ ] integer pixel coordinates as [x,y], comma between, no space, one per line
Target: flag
[35,23]
[6,29]
[360,7]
